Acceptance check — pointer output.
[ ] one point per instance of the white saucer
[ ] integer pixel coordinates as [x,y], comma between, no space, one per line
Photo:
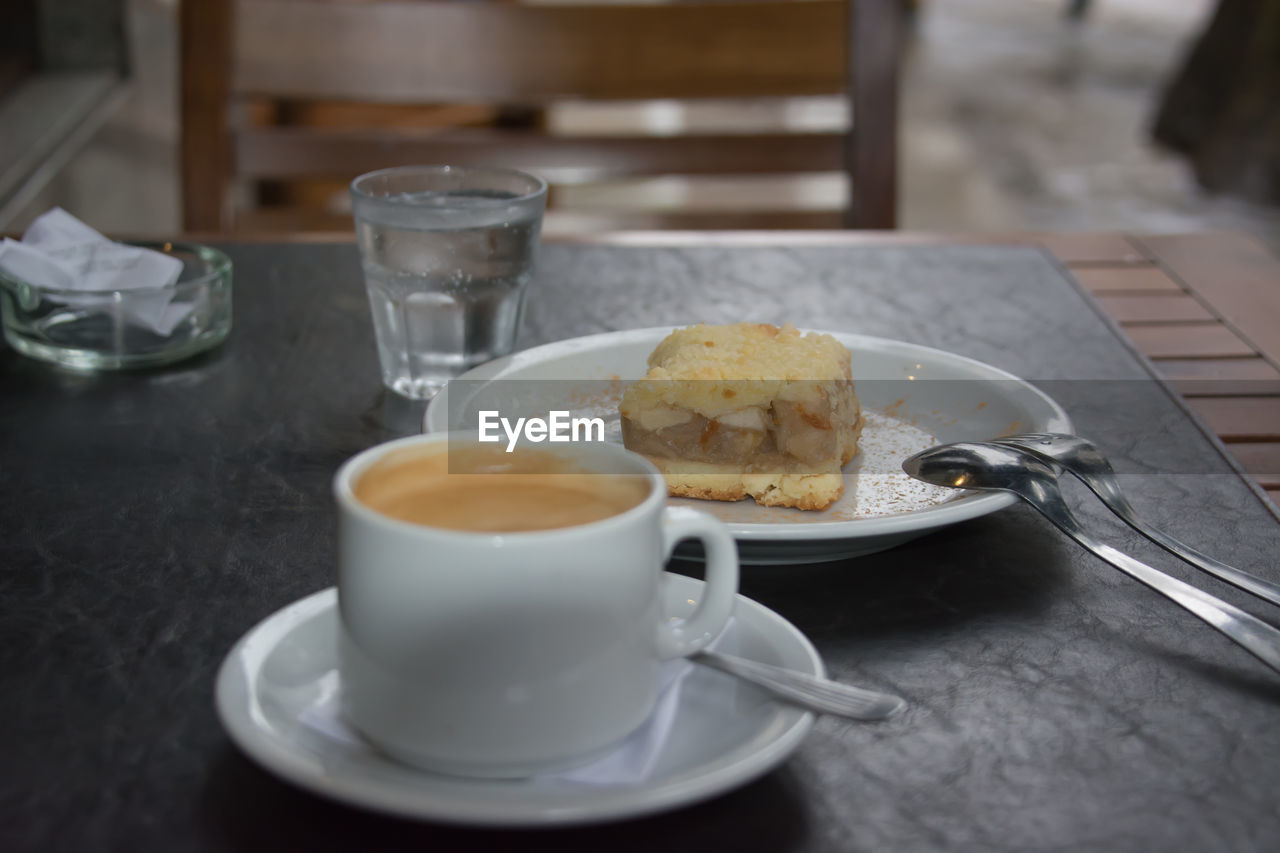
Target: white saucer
[915,396]
[276,671]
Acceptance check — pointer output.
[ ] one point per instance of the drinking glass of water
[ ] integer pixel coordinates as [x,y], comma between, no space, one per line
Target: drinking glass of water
[447,253]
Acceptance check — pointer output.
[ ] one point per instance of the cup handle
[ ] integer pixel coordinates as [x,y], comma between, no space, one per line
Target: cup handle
[681,639]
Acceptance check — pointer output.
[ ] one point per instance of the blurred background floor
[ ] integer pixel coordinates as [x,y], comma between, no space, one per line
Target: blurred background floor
[1013,118]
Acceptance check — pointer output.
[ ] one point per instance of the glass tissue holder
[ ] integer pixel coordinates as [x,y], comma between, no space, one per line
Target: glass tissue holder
[120,329]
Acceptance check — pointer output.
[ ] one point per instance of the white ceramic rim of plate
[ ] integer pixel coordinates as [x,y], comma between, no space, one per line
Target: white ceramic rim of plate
[961,509]
[236,700]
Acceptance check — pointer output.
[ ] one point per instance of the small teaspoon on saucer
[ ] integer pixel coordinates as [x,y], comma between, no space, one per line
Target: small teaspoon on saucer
[807,691]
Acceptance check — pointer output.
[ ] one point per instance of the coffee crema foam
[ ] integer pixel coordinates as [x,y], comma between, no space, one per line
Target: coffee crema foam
[483,490]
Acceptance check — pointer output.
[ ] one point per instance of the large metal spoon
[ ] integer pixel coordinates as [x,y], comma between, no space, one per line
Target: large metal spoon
[997,467]
[807,691]
[1083,459]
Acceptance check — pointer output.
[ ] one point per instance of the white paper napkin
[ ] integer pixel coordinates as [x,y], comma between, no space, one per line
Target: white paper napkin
[59,252]
[681,686]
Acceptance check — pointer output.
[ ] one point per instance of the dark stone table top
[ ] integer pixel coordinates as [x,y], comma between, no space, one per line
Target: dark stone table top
[150,519]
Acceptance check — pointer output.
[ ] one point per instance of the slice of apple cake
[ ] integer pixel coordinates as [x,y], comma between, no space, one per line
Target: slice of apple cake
[727,412]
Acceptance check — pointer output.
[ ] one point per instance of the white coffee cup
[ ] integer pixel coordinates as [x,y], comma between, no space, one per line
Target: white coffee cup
[505,654]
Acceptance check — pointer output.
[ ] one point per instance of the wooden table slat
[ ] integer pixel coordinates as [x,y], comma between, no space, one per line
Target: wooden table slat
[1226,387]
[1187,340]
[1155,308]
[1261,459]
[1249,368]
[1240,418]
[1218,377]
[1092,248]
[1126,279]
[1234,274]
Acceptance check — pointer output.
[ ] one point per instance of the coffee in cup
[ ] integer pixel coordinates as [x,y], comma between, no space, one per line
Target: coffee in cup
[501,614]
[486,490]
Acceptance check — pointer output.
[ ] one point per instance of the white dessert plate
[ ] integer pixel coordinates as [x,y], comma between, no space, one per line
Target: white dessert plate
[279,669]
[913,396]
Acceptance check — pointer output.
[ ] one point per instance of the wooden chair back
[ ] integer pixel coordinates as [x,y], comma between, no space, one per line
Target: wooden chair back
[502,53]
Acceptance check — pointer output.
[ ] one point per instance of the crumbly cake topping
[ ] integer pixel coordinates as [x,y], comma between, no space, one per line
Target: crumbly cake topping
[718,370]
[747,351]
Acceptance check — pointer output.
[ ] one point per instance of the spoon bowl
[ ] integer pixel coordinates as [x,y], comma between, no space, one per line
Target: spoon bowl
[978,466]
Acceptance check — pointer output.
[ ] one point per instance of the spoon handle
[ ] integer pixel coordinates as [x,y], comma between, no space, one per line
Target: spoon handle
[1255,636]
[807,691]
[1243,580]
[1082,459]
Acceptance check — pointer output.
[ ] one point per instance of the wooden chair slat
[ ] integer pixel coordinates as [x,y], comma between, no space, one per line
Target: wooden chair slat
[678,220]
[404,52]
[263,221]
[294,153]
